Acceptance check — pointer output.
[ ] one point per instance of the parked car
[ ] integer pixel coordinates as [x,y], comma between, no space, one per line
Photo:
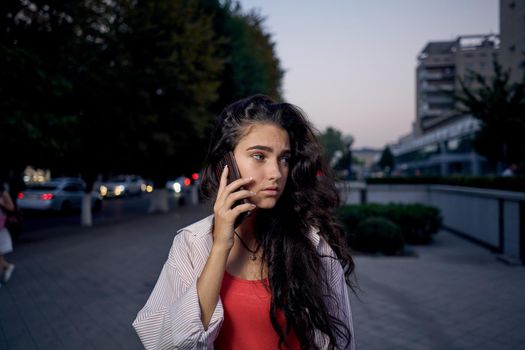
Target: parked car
[59,194]
[123,185]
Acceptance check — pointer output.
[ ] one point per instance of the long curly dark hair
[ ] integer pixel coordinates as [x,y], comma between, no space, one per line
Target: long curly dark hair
[308,202]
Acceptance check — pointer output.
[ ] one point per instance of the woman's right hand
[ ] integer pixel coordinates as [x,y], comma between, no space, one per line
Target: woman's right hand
[225,215]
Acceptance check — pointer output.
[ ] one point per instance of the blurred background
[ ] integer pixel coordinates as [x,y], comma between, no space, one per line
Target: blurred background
[108,100]
[106,107]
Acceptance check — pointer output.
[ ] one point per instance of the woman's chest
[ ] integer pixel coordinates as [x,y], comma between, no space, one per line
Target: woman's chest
[241,265]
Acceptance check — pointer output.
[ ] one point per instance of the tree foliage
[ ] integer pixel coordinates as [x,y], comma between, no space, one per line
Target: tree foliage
[251,64]
[168,67]
[500,106]
[95,86]
[337,148]
[332,141]
[386,162]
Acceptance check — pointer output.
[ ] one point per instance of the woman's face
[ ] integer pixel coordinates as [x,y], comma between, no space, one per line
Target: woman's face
[264,153]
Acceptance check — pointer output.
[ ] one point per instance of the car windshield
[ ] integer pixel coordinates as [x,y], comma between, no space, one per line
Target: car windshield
[42,187]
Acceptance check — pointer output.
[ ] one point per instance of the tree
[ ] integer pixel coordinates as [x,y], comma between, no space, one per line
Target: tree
[332,141]
[386,162]
[171,71]
[173,68]
[251,65]
[97,86]
[337,149]
[500,106]
[44,49]
[37,124]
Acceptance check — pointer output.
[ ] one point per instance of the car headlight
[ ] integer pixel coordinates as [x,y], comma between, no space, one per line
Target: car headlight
[119,190]
[176,187]
[103,191]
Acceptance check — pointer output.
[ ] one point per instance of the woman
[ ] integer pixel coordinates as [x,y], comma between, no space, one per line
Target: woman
[6,244]
[277,280]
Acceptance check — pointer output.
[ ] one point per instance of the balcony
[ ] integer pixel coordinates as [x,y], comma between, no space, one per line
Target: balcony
[425,87]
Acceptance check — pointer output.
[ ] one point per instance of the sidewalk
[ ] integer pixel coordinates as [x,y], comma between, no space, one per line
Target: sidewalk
[454,295]
[80,288]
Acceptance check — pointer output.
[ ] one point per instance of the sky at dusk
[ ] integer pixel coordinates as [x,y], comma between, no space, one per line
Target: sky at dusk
[351,64]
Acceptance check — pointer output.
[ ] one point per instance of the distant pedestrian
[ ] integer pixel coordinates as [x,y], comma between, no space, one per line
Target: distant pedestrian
[6,244]
[270,268]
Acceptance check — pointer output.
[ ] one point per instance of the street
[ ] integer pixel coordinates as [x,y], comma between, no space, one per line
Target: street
[113,209]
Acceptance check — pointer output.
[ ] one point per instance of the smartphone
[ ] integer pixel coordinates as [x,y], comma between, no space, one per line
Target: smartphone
[233,174]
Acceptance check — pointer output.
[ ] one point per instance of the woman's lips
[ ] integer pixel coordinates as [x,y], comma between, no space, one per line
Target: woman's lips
[270,192]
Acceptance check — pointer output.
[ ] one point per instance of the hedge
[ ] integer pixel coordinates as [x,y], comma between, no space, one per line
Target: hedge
[418,223]
[377,235]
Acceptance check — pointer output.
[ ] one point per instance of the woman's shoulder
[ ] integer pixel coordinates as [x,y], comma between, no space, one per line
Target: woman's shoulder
[314,236]
[196,231]
[319,242]
[191,246]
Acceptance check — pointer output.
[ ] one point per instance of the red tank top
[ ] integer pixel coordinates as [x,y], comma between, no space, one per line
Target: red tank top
[247,322]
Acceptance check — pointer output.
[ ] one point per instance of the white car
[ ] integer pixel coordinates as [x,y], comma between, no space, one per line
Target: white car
[178,185]
[182,187]
[60,194]
[123,185]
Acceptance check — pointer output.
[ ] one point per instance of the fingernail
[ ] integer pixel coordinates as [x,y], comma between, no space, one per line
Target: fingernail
[225,166]
[253,205]
[253,193]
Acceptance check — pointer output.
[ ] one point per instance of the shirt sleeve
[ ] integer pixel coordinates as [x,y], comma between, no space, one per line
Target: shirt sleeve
[171,318]
[338,302]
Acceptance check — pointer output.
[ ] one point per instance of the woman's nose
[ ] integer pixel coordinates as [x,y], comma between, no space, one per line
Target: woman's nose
[274,171]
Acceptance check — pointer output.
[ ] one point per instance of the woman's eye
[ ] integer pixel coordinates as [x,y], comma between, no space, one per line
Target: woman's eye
[258,157]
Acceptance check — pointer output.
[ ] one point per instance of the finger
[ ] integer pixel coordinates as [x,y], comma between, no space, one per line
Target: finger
[235,185]
[242,208]
[237,195]
[222,182]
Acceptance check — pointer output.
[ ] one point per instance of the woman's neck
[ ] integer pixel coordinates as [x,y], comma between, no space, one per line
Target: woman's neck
[247,228]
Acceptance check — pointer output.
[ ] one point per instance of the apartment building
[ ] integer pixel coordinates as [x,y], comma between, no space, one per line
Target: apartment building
[512,34]
[441,140]
[442,67]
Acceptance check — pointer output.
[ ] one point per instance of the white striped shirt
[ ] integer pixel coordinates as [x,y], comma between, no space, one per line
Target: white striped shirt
[171,318]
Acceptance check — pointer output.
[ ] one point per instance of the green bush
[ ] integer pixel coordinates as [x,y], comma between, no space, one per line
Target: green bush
[378,235]
[417,222]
